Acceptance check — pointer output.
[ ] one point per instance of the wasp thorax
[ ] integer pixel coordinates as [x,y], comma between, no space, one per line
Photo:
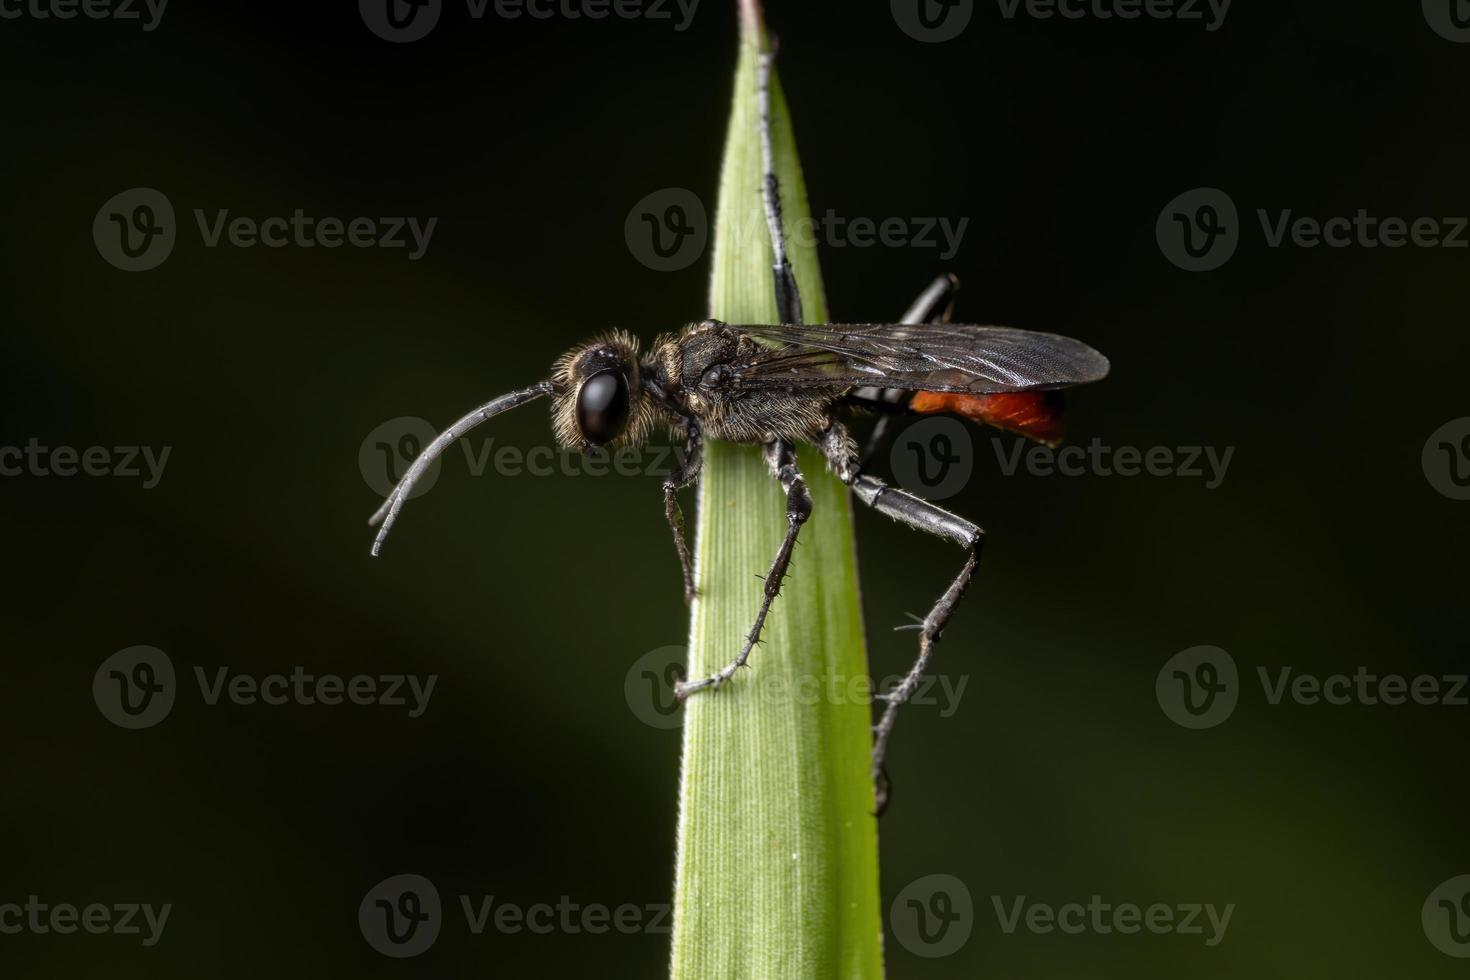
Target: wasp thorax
[597,395]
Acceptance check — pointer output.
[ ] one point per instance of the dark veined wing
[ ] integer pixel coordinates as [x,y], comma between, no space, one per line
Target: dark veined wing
[920,357]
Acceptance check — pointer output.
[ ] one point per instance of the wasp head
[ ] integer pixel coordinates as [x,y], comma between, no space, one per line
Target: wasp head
[597,395]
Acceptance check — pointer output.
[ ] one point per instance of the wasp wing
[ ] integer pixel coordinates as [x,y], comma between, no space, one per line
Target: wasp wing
[948,357]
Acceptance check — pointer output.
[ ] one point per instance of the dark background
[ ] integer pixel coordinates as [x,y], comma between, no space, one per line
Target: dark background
[528,777]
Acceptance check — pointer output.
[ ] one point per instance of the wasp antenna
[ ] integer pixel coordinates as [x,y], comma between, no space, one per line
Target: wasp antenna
[388,512]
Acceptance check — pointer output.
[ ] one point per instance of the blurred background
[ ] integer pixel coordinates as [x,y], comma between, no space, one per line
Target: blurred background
[1326,547]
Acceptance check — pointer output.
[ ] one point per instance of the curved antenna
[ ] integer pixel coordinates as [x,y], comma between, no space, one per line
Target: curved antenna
[388,513]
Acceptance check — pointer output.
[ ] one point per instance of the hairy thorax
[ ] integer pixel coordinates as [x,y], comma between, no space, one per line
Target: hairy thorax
[701,371]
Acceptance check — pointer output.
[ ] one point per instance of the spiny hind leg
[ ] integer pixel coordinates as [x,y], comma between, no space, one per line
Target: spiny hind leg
[921,515]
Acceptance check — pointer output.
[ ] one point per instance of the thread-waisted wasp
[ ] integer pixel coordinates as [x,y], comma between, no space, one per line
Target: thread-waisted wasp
[775,385]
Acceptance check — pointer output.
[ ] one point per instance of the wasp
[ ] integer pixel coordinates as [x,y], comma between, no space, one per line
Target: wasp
[777,385]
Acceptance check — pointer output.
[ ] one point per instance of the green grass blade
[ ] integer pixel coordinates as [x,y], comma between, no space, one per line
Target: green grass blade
[778,854]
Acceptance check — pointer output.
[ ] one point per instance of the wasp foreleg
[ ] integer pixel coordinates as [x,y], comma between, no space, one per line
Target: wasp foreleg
[781,458]
[686,473]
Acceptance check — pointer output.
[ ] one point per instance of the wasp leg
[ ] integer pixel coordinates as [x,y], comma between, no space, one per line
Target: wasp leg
[921,515]
[781,458]
[686,473]
[934,305]
[788,296]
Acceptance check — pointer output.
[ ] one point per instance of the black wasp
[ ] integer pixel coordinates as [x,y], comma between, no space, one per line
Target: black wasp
[775,385]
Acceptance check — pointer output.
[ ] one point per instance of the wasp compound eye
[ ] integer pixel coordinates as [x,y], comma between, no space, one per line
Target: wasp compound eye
[602,407]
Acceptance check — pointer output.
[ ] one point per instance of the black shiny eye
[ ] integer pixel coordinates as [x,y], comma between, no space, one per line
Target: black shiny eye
[602,407]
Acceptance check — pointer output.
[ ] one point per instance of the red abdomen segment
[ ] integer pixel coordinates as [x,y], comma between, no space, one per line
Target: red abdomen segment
[1036,415]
